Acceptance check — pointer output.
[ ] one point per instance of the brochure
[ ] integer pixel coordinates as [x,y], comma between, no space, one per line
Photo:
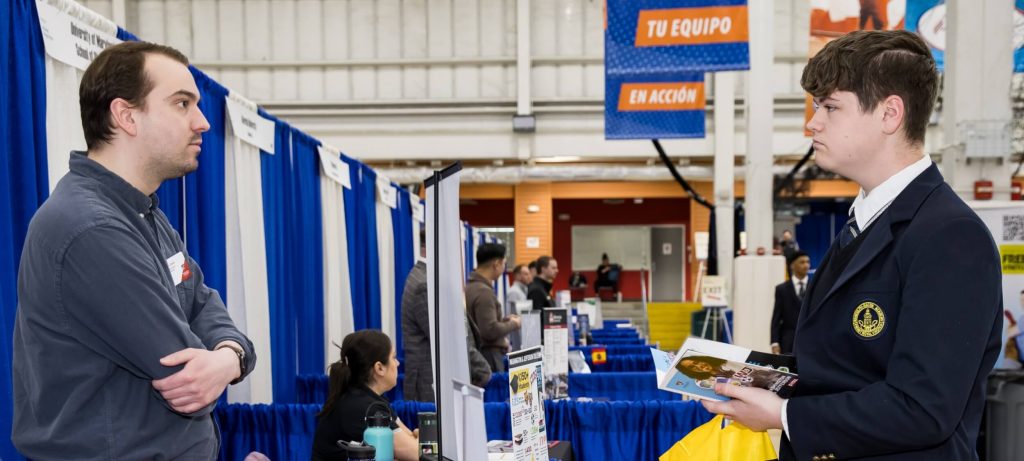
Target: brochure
[700,364]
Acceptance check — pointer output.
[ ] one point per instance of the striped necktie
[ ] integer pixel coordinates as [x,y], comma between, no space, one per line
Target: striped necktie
[849,232]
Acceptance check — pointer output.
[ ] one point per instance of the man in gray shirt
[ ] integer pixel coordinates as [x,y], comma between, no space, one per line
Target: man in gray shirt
[120,349]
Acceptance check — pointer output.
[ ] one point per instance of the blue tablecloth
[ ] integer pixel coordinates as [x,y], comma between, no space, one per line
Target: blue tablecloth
[614,350]
[600,386]
[598,430]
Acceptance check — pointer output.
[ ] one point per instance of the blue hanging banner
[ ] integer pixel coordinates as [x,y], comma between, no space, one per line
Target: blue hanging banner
[651,106]
[676,35]
[927,18]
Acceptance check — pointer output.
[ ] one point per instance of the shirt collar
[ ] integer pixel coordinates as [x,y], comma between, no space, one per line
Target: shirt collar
[797,281]
[80,163]
[867,207]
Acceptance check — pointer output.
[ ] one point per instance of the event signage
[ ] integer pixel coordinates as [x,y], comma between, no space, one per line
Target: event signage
[417,208]
[334,167]
[70,40]
[658,36]
[713,291]
[249,126]
[927,18]
[555,322]
[387,194]
[649,106]
[529,432]
[1005,221]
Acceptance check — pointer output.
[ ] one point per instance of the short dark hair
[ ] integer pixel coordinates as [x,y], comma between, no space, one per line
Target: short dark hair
[117,72]
[543,262]
[874,65]
[489,252]
[515,270]
[795,256]
[532,266]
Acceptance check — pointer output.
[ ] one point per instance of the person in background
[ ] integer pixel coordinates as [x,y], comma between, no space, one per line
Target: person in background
[484,309]
[532,266]
[540,289]
[415,322]
[788,245]
[577,280]
[366,370]
[788,297]
[603,271]
[903,320]
[121,350]
[517,292]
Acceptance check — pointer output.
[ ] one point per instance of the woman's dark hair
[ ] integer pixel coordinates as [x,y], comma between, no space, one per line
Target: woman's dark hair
[360,351]
[715,362]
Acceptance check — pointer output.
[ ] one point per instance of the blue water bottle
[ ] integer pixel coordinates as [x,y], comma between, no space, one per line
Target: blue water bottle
[378,432]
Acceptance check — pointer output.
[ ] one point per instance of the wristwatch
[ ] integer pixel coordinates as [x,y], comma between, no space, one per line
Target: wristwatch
[241,359]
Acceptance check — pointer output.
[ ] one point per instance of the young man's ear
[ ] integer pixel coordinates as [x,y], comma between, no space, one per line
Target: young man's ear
[122,116]
[894,112]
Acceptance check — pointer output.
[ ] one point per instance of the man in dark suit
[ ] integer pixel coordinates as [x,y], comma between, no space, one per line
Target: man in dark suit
[788,296]
[902,322]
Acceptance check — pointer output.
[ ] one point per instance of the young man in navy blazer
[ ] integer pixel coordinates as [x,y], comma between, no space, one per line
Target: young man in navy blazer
[901,325]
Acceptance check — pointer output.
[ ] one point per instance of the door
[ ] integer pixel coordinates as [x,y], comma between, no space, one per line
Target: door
[668,247]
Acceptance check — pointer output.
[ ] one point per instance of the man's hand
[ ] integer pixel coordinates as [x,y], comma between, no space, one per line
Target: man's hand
[776,349]
[516,320]
[203,379]
[758,409]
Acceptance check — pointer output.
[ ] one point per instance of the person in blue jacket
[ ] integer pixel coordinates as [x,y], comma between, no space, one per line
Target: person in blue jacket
[902,323]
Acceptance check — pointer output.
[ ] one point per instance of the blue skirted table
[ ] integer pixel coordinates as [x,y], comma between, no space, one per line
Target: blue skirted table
[597,386]
[598,431]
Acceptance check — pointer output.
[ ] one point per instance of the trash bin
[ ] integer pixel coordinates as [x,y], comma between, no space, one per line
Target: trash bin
[1004,416]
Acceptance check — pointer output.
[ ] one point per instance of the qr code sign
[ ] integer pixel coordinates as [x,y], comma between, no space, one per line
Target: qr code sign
[1013,228]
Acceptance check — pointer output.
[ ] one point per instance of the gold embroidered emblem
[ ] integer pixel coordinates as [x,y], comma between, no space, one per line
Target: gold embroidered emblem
[868,320]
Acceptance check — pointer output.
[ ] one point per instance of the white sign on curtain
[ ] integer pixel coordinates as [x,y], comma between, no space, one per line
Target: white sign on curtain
[387,194]
[417,208]
[68,39]
[249,126]
[334,167]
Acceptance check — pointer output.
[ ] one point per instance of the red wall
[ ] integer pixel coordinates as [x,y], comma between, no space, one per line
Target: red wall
[596,212]
[488,213]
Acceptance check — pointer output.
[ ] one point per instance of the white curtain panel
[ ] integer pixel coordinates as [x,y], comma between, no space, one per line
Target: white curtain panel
[248,300]
[337,286]
[386,266]
[63,120]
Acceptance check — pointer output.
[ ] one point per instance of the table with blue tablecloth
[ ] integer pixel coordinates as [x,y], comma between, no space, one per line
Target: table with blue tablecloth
[598,386]
[598,431]
[614,349]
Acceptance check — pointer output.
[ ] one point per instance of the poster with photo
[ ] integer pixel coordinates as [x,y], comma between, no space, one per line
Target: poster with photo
[529,431]
[1005,220]
[556,353]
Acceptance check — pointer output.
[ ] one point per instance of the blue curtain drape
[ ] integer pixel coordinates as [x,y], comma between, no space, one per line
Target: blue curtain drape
[275,183]
[361,222]
[470,255]
[24,183]
[597,430]
[401,221]
[306,238]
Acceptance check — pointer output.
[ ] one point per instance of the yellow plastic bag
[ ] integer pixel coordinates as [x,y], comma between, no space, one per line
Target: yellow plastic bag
[712,442]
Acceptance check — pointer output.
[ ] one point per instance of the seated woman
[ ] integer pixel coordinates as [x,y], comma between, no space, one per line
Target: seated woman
[367,369]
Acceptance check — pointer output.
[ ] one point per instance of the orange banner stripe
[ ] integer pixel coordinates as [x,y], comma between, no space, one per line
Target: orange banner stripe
[692,26]
[661,96]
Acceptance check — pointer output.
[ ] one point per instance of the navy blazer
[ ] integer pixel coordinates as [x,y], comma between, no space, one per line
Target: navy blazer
[785,314]
[909,385]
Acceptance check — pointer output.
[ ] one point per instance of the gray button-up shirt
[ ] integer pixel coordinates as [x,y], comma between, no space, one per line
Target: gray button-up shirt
[97,309]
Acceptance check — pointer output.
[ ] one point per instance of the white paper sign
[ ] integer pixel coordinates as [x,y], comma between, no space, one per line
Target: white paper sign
[713,291]
[250,127]
[525,377]
[334,167]
[532,242]
[417,208]
[701,240]
[387,194]
[69,40]
[666,249]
